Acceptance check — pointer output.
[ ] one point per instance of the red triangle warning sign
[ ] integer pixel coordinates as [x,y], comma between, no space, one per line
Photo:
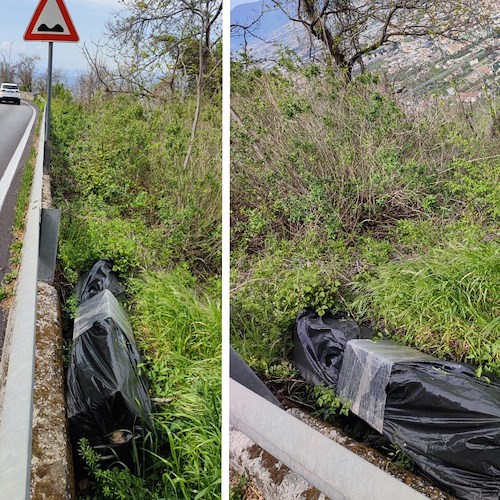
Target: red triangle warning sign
[51,22]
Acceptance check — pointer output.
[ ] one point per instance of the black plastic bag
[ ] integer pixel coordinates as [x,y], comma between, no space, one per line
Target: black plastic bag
[100,277]
[440,414]
[319,343]
[448,422]
[107,394]
[108,401]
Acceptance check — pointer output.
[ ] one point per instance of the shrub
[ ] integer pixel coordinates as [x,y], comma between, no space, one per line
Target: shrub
[118,162]
[266,301]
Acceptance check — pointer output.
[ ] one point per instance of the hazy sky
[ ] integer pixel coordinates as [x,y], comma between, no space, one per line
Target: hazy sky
[234,3]
[89,17]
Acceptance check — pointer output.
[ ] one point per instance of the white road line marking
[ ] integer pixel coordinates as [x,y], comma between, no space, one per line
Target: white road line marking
[13,165]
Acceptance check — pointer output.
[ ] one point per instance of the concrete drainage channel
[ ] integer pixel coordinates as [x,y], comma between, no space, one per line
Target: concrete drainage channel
[35,457]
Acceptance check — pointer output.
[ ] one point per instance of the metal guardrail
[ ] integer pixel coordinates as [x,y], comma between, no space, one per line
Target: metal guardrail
[334,470]
[17,411]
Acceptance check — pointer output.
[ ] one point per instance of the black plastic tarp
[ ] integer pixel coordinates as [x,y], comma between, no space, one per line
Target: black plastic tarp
[107,393]
[448,422]
[100,277]
[107,398]
[243,374]
[319,343]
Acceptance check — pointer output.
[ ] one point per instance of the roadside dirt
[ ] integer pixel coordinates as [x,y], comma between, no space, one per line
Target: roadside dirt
[243,487]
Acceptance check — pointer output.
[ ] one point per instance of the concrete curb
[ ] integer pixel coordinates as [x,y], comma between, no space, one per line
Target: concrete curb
[271,477]
[17,406]
[51,465]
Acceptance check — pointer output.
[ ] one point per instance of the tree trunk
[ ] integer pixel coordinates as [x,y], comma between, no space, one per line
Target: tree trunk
[199,93]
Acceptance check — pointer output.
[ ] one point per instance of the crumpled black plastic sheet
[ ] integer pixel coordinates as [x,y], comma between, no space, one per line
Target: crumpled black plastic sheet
[108,400]
[448,421]
[319,343]
[440,414]
[100,277]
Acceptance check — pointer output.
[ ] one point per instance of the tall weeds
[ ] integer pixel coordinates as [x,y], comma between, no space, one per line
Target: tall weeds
[445,302]
[336,184]
[310,151]
[121,166]
[180,334]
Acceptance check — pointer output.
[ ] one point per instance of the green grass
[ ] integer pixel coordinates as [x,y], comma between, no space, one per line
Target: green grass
[23,196]
[445,303]
[180,333]
[21,207]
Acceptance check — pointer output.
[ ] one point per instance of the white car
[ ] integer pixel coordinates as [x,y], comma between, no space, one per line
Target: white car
[10,92]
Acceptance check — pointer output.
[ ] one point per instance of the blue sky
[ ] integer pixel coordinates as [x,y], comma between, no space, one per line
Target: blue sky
[89,17]
[234,3]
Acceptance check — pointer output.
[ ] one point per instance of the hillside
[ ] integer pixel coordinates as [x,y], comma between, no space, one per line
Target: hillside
[342,201]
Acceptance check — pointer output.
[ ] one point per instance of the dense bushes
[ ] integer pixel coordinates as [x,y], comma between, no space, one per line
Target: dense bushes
[118,173]
[336,189]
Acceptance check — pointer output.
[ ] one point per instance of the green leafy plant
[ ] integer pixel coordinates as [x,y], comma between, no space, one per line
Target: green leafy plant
[4,293]
[117,483]
[70,305]
[264,308]
[238,487]
[398,457]
[329,404]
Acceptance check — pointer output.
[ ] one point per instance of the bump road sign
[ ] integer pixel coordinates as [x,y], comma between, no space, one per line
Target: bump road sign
[51,22]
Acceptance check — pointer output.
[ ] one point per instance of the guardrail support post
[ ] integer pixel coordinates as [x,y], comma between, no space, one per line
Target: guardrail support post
[49,233]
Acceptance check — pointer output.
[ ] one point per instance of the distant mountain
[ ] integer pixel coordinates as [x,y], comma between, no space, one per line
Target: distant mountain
[248,13]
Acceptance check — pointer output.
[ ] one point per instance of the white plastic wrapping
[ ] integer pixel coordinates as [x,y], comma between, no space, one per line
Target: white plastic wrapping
[365,373]
[99,307]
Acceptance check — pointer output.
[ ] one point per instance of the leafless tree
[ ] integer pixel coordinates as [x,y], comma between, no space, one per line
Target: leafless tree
[59,76]
[100,76]
[158,44]
[25,70]
[7,69]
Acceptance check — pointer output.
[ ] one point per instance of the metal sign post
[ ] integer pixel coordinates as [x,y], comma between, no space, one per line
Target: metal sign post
[49,92]
[51,23]
[47,145]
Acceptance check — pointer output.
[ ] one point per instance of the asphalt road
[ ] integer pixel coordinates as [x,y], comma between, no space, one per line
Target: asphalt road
[14,120]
